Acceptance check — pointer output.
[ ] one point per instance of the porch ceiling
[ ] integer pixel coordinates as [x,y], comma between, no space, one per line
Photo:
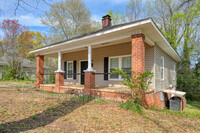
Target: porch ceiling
[124,40]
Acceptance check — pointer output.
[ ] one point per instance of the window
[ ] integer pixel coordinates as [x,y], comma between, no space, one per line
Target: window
[126,64]
[114,63]
[123,62]
[174,72]
[70,70]
[162,68]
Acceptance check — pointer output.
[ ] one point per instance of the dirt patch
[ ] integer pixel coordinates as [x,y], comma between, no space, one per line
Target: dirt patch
[35,111]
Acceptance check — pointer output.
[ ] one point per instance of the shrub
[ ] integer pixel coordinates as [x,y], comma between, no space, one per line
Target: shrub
[136,83]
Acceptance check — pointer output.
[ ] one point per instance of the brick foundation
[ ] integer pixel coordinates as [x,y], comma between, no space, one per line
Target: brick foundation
[89,81]
[150,99]
[94,92]
[59,79]
[39,70]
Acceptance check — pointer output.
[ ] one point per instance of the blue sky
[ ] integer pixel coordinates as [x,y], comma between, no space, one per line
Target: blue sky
[31,18]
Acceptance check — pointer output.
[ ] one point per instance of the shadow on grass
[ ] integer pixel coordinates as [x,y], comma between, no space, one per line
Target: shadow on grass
[165,129]
[44,118]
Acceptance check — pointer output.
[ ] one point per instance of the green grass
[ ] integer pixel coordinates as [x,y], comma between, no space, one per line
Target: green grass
[17,81]
[82,98]
[192,110]
[100,100]
[132,106]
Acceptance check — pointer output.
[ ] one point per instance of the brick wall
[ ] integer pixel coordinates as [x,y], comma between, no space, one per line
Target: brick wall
[39,70]
[89,80]
[94,92]
[138,53]
[151,99]
[59,79]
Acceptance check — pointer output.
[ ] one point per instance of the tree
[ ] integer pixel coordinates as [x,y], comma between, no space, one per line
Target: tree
[69,18]
[134,10]
[28,41]
[25,5]
[117,17]
[11,30]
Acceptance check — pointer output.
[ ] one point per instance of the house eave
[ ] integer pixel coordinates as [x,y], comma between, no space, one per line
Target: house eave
[93,35]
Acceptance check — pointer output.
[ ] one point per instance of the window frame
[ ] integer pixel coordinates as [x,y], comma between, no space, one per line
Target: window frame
[162,77]
[68,69]
[120,66]
[174,72]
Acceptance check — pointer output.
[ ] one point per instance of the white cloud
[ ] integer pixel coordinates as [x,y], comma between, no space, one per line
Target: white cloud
[27,20]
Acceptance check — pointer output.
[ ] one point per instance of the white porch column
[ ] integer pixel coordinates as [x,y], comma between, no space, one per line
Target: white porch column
[89,69]
[59,62]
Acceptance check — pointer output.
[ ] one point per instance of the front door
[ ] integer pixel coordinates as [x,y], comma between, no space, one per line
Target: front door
[84,65]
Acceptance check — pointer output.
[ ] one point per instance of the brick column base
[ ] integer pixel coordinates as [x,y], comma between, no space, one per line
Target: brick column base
[89,82]
[59,79]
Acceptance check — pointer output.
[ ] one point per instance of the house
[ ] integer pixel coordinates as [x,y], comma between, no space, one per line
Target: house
[88,59]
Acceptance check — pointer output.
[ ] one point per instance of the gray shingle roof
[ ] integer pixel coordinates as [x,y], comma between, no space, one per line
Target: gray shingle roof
[94,32]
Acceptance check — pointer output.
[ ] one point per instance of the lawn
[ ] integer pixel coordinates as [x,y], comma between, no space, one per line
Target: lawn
[27,110]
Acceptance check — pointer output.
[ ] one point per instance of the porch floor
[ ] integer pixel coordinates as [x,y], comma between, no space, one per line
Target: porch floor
[121,89]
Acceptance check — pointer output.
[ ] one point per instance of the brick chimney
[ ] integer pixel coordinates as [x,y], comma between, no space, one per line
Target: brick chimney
[106,21]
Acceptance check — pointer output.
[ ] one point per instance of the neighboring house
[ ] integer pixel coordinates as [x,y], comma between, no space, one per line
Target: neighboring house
[27,66]
[138,45]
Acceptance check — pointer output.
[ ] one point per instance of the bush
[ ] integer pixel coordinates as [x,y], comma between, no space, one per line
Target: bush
[133,106]
[8,73]
[11,74]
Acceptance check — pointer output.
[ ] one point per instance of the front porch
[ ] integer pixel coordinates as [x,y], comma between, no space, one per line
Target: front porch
[87,70]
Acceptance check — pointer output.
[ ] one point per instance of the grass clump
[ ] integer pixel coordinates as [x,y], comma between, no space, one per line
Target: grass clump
[100,100]
[34,117]
[133,106]
[83,98]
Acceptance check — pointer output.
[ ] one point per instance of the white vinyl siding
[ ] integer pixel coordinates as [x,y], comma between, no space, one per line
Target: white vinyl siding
[168,70]
[70,70]
[174,72]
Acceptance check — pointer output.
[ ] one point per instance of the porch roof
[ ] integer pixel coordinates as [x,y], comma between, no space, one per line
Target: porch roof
[109,36]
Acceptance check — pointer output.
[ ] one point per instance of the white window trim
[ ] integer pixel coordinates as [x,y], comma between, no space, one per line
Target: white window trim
[72,69]
[174,72]
[163,67]
[120,66]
